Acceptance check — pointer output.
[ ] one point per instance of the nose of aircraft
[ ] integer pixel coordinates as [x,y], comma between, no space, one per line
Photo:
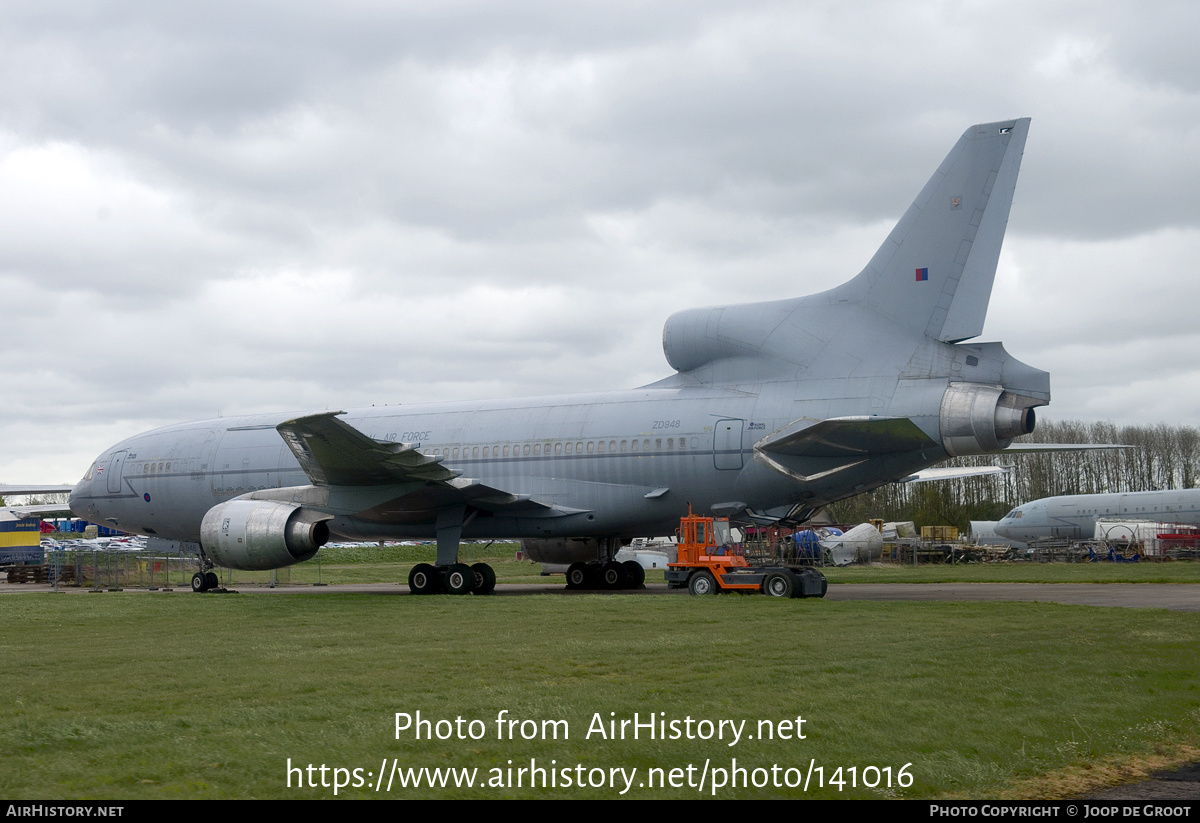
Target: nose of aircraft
[1006,524]
[76,500]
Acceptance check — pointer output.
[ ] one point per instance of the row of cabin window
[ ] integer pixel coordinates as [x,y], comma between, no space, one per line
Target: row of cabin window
[579,447]
[591,446]
[1109,510]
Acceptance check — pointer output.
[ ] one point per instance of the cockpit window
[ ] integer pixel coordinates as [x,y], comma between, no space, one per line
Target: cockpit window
[87,475]
[1013,515]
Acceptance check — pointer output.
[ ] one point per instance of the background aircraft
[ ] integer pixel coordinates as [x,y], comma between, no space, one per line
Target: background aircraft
[1074,516]
[34,509]
[775,410]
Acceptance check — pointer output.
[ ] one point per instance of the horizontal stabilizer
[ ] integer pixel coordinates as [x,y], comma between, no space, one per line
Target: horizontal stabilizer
[808,451]
[846,437]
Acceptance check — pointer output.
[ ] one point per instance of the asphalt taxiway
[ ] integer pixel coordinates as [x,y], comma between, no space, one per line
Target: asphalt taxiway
[1174,596]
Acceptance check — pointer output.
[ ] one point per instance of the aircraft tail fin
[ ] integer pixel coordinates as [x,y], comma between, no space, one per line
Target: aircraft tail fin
[932,276]
[934,272]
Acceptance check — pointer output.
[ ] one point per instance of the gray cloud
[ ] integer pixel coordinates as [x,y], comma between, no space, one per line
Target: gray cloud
[258,206]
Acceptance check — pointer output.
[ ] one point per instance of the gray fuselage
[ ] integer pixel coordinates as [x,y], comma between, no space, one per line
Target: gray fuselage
[1074,516]
[605,454]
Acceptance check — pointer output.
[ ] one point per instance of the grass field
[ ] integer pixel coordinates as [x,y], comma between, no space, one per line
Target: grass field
[198,696]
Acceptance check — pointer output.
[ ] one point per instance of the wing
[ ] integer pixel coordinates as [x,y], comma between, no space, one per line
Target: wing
[36,509]
[41,510]
[390,481]
[27,489]
[333,453]
[952,473]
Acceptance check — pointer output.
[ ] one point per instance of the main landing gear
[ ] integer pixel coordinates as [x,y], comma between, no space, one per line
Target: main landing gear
[449,576]
[610,575]
[458,578]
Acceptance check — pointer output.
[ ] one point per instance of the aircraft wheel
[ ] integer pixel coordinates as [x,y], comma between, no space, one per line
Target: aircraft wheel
[779,584]
[577,576]
[485,579]
[613,576]
[702,582]
[460,579]
[424,579]
[214,582]
[635,575]
[595,576]
[199,582]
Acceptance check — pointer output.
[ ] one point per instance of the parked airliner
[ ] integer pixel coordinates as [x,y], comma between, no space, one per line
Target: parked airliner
[774,410]
[1074,516]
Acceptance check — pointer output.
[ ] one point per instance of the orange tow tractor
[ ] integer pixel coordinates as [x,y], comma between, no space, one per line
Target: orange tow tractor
[709,563]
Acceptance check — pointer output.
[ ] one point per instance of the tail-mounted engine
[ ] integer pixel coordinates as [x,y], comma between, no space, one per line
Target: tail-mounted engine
[262,534]
[976,419]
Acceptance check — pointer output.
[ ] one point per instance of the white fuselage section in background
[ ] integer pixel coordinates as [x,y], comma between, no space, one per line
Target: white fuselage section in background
[1074,516]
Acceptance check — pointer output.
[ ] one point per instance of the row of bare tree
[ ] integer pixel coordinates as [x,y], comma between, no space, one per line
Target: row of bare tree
[1160,457]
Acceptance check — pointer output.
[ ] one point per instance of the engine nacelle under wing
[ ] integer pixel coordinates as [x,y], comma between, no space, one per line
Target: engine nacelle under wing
[977,418]
[255,535]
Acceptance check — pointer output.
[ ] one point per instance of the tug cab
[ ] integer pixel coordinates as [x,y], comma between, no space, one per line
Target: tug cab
[709,562]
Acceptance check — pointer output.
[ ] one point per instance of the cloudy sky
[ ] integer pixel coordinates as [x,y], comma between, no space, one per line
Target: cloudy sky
[221,208]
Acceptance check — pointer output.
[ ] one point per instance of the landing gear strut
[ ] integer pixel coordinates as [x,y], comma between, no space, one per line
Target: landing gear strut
[206,579]
[449,576]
